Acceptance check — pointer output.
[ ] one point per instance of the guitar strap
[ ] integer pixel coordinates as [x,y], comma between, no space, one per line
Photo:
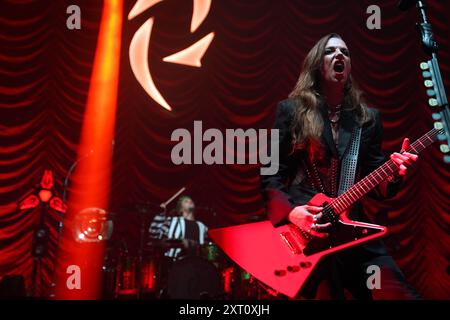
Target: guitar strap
[348,169]
[315,180]
[349,162]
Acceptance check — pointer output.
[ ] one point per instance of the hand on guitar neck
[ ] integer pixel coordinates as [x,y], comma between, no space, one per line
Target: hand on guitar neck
[403,159]
[306,217]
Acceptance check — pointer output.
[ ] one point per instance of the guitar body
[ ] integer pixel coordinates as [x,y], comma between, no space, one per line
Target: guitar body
[284,257]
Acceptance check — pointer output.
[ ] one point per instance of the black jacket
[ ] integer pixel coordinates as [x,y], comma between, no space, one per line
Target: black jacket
[282,195]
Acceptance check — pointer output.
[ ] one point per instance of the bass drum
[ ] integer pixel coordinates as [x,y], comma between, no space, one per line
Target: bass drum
[194,278]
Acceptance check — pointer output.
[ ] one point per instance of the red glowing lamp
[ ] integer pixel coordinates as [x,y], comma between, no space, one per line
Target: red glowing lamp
[44,194]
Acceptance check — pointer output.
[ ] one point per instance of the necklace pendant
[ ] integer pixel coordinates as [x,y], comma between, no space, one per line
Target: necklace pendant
[334,117]
[334,114]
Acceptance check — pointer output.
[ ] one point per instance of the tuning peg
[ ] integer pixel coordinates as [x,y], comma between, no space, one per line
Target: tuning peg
[436,116]
[428,83]
[431,93]
[438,125]
[441,137]
[432,102]
[426,74]
[444,148]
[424,66]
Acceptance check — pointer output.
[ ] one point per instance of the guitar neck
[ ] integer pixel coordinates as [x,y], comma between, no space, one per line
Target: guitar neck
[353,194]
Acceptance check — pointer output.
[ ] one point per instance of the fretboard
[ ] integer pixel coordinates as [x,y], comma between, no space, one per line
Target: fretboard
[354,193]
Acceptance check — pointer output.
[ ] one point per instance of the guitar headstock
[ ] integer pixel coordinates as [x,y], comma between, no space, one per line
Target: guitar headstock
[437,101]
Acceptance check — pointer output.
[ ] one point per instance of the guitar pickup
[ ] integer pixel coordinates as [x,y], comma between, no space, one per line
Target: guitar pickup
[290,241]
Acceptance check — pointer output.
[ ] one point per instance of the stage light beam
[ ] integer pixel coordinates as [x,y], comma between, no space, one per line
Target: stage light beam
[91,179]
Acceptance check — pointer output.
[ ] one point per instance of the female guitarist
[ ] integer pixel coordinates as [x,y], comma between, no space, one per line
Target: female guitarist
[315,126]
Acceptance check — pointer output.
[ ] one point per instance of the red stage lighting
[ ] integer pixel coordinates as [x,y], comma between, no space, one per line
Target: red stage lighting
[44,193]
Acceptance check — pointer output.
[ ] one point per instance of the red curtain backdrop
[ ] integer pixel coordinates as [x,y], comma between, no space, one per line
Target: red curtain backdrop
[252,63]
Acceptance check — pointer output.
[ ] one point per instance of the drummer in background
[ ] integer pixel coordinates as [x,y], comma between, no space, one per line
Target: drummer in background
[182,226]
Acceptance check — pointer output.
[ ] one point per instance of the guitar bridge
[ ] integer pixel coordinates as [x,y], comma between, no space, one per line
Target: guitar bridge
[293,239]
[290,242]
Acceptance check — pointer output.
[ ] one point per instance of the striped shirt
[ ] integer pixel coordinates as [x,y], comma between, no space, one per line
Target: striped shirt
[164,227]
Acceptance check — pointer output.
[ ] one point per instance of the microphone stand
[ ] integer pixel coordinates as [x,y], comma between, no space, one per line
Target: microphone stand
[431,72]
[64,199]
[66,184]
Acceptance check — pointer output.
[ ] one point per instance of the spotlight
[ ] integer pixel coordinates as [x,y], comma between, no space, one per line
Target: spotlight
[92,225]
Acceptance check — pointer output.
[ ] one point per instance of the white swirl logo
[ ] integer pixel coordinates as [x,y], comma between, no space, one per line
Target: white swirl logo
[139,46]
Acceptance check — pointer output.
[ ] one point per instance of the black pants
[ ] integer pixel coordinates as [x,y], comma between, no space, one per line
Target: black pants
[346,273]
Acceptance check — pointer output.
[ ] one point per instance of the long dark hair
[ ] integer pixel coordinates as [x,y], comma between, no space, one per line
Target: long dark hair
[307,126]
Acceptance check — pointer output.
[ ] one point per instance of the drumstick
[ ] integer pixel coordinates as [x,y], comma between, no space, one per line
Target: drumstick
[164,204]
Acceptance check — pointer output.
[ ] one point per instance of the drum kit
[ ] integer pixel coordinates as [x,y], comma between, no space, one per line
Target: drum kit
[203,272]
[206,275]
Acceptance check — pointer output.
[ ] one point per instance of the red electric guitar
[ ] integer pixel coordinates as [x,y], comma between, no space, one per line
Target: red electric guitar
[284,257]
